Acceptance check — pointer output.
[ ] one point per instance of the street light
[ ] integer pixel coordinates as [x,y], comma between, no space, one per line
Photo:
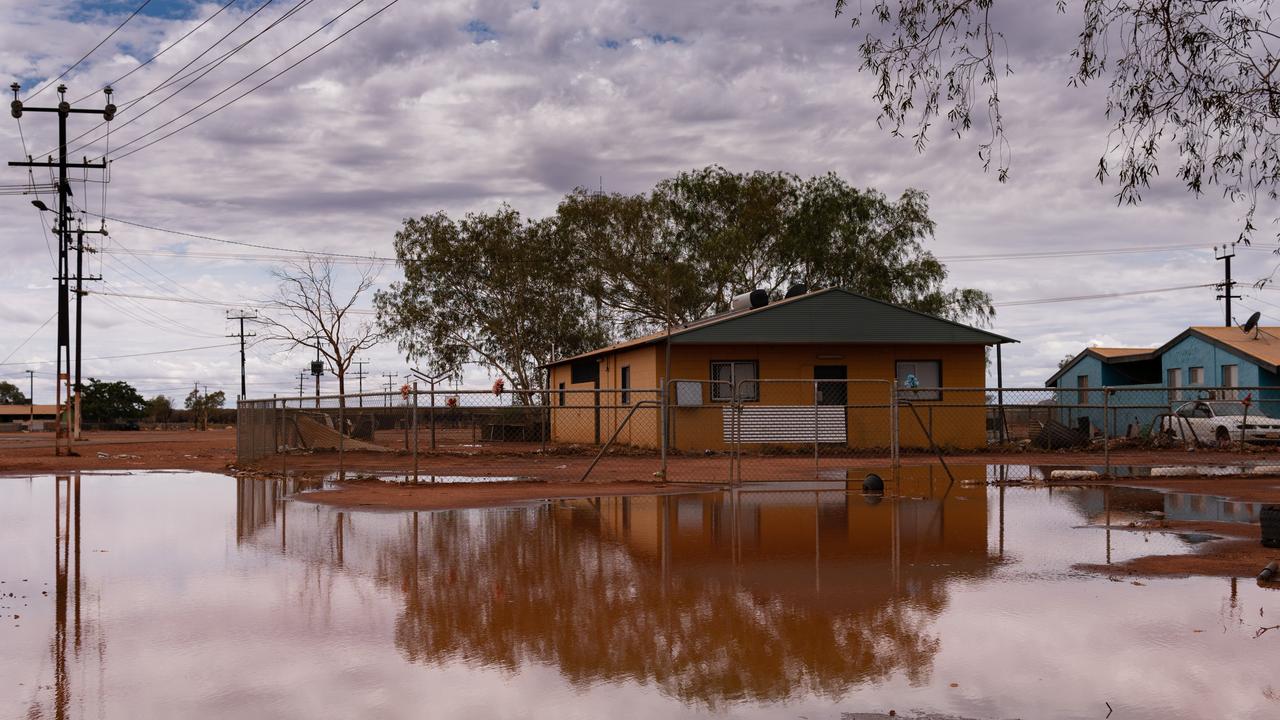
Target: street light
[41,206]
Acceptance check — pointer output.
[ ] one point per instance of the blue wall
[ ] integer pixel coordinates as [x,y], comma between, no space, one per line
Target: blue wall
[1194,351]
[1144,402]
[1191,351]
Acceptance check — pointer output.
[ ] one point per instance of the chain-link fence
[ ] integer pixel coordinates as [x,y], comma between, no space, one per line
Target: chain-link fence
[770,429]
[464,423]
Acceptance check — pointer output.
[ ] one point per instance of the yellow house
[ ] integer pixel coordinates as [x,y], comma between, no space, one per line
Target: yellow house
[823,364]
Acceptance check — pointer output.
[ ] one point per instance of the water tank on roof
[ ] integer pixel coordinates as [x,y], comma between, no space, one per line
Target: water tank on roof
[749,300]
[797,289]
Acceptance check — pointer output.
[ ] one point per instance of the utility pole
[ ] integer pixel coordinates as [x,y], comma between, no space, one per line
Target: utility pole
[391,383]
[360,379]
[80,293]
[1225,253]
[242,315]
[317,369]
[301,376]
[31,397]
[64,110]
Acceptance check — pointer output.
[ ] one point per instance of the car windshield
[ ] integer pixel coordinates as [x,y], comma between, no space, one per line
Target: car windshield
[1227,408]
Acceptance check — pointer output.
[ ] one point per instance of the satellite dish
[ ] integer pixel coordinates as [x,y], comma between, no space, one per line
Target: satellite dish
[1251,323]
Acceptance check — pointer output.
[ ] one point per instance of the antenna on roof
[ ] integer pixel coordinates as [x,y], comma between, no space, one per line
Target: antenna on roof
[1251,324]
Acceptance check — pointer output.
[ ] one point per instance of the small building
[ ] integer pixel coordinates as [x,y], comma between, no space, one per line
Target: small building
[824,363]
[1198,363]
[14,418]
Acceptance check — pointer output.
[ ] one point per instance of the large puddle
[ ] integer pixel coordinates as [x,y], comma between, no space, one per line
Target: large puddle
[202,596]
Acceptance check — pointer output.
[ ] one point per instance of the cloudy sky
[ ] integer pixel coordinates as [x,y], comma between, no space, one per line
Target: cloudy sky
[462,105]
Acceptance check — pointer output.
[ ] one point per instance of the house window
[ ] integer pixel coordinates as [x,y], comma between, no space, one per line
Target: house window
[1230,376]
[626,384]
[1195,376]
[911,374]
[1173,380]
[584,371]
[1082,395]
[729,374]
[561,394]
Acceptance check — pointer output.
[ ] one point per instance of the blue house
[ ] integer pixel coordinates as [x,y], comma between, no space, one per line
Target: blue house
[1200,363]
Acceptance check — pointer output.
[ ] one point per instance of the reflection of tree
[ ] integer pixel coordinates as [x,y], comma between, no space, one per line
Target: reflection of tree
[516,587]
[763,598]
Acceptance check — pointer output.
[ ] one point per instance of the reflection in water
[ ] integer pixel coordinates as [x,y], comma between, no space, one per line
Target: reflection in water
[747,594]
[230,598]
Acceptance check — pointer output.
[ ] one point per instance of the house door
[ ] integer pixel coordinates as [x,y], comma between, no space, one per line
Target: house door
[832,393]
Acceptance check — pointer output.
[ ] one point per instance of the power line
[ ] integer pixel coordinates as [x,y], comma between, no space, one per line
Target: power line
[239,242]
[166,49]
[166,82]
[227,104]
[1098,296]
[134,355]
[255,71]
[24,342]
[92,51]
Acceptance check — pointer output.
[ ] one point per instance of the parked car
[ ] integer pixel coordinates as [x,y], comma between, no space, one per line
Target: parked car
[1221,422]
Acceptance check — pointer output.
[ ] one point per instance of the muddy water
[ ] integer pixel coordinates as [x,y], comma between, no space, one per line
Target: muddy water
[201,596]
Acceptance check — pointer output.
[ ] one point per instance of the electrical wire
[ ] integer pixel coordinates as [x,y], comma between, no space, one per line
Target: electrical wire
[198,236]
[1099,296]
[91,51]
[44,228]
[170,80]
[24,342]
[134,355]
[227,104]
[166,49]
[257,70]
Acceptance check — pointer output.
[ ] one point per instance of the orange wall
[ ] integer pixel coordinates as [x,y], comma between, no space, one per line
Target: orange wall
[577,422]
[702,428]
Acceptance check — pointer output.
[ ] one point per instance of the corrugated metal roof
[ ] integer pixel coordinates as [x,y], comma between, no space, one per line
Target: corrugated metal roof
[834,316]
[1262,345]
[1115,353]
[1106,355]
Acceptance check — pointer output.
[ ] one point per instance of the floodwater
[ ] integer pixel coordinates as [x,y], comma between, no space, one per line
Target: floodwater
[203,596]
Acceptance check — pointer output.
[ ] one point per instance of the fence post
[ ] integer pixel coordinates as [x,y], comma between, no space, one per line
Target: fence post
[414,424]
[431,412]
[1106,429]
[815,429]
[895,450]
[284,451]
[662,423]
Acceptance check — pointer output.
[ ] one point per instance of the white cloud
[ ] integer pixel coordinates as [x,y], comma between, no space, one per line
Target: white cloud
[410,114]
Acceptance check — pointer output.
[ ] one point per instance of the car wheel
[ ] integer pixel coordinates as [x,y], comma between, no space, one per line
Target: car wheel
[1223,437]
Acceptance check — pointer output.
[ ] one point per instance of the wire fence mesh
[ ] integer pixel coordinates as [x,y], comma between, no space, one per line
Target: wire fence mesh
[774,429]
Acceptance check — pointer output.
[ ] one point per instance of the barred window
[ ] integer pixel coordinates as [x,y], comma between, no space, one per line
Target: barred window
[727,374]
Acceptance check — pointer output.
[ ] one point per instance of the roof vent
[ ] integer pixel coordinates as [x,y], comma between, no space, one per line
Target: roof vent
[797,289]
[749,300]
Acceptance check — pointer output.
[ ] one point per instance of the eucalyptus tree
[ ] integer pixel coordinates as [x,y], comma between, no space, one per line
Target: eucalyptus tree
[490,288]
[1195,83]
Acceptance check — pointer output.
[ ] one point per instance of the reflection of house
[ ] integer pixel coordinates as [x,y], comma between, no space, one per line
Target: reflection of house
[1153,380]
[818,341]
[712,598]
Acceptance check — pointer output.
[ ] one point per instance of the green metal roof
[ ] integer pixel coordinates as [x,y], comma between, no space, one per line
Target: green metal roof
[824,317]
[834,316]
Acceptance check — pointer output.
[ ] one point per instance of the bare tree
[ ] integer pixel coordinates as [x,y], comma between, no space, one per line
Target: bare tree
[307,310]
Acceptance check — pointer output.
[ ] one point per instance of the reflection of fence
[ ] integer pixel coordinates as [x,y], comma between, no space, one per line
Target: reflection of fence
[763,429]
